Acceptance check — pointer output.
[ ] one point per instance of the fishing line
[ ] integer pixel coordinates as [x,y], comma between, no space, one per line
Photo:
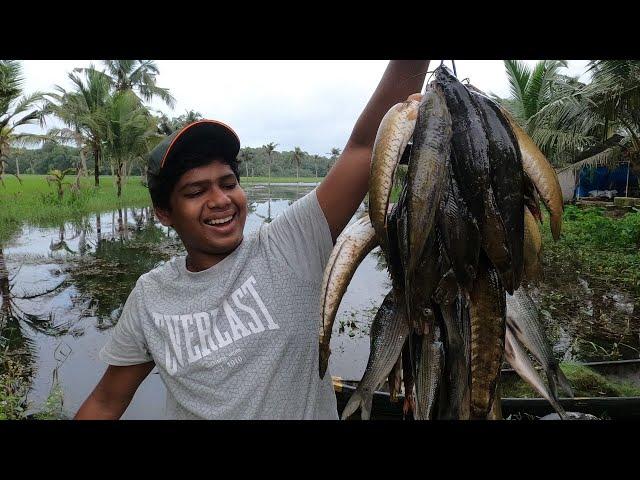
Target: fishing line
[429,79]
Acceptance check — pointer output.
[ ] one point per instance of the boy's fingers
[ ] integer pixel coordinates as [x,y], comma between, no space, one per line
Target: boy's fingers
[415,96]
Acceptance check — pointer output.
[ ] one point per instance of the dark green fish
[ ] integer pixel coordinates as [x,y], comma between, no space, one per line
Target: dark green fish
[426,174]
[507,183]
[470,159]
[487,313]
[460,234]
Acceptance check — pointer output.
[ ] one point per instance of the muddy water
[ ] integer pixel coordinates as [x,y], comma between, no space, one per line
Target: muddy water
[64,289]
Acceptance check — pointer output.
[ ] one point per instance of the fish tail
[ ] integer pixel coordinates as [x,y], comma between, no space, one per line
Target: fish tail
[552,380]
[359,399]
[365,407]
[563,381]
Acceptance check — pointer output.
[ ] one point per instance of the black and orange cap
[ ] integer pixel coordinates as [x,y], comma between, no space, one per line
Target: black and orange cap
[200,132]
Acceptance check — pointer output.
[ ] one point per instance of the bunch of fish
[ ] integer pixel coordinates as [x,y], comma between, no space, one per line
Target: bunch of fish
[458,245]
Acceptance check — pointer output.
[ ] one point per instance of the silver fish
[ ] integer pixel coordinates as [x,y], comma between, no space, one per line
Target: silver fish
[389,332]
[429,362]
[524,321]
[519,360]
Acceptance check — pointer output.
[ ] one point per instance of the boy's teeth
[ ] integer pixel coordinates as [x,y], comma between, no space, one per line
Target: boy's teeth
[222,220]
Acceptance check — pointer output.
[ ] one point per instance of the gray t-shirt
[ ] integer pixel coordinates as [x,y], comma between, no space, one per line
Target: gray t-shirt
[240,339]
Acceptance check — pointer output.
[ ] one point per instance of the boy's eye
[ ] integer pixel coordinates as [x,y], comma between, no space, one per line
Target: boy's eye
[229,186]
[194,194]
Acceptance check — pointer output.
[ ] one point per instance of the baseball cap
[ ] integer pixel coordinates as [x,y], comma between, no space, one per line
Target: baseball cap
[188,138]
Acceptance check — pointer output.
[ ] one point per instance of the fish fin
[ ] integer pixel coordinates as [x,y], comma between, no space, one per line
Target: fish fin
[564,382]
[352,405]
[359,399]
[365,410]
[447,290]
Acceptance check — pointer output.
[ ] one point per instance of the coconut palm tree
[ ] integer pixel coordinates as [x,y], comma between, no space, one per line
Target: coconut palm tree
[81,110]
[167,126]
[16,110]
[138,76]
[127,129]
[316,159]
[531,89]
[334,154]
[246,156]
[588,124]
[552,108]
[614,94]
[269,148]
[296,158]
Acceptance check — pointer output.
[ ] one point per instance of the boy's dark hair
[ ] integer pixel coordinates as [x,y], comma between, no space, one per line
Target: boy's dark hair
[161,186]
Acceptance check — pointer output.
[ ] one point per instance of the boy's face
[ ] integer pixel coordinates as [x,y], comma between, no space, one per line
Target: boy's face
[208,211]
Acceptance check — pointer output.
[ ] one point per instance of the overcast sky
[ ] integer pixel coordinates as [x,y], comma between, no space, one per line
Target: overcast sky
[312,104]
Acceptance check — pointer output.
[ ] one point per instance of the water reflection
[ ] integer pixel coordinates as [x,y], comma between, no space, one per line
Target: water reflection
[63,288]
[19,318]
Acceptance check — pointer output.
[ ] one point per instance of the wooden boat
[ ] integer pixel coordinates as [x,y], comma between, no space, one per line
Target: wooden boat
[523,408]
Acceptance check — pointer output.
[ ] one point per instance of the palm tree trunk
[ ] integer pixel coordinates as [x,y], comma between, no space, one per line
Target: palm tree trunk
[17,166]
[98,230]
[96,156]
[120,228]
[83,161]
[5,292]
[119,178]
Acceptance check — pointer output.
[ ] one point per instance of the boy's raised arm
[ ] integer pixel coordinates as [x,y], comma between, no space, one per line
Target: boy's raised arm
[347,183]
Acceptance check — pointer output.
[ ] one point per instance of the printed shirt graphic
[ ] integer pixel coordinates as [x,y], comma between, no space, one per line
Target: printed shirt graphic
[240,339]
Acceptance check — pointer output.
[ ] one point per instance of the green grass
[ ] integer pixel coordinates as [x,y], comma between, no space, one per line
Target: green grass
[35,201]
[598,246]
[584,381]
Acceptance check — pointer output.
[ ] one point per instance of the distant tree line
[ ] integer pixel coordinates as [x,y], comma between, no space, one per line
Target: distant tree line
[253,162]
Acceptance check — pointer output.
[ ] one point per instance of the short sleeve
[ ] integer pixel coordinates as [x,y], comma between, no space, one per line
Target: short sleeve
[126,345]
[301,238]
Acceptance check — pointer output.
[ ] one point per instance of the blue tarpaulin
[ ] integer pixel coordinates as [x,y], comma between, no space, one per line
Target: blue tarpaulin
[604,178]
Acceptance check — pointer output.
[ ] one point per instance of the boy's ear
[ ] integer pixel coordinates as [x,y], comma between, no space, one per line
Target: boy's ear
[164,216]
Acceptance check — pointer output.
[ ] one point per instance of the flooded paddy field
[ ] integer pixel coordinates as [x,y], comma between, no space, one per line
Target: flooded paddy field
[63,289]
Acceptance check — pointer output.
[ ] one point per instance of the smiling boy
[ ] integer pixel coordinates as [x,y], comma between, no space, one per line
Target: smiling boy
[233,326]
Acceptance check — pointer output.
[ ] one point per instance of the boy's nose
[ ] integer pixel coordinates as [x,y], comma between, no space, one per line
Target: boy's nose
[218,199]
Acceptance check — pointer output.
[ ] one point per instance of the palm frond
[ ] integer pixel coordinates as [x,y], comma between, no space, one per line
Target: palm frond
[28,139]
[609,157]
[518,74]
